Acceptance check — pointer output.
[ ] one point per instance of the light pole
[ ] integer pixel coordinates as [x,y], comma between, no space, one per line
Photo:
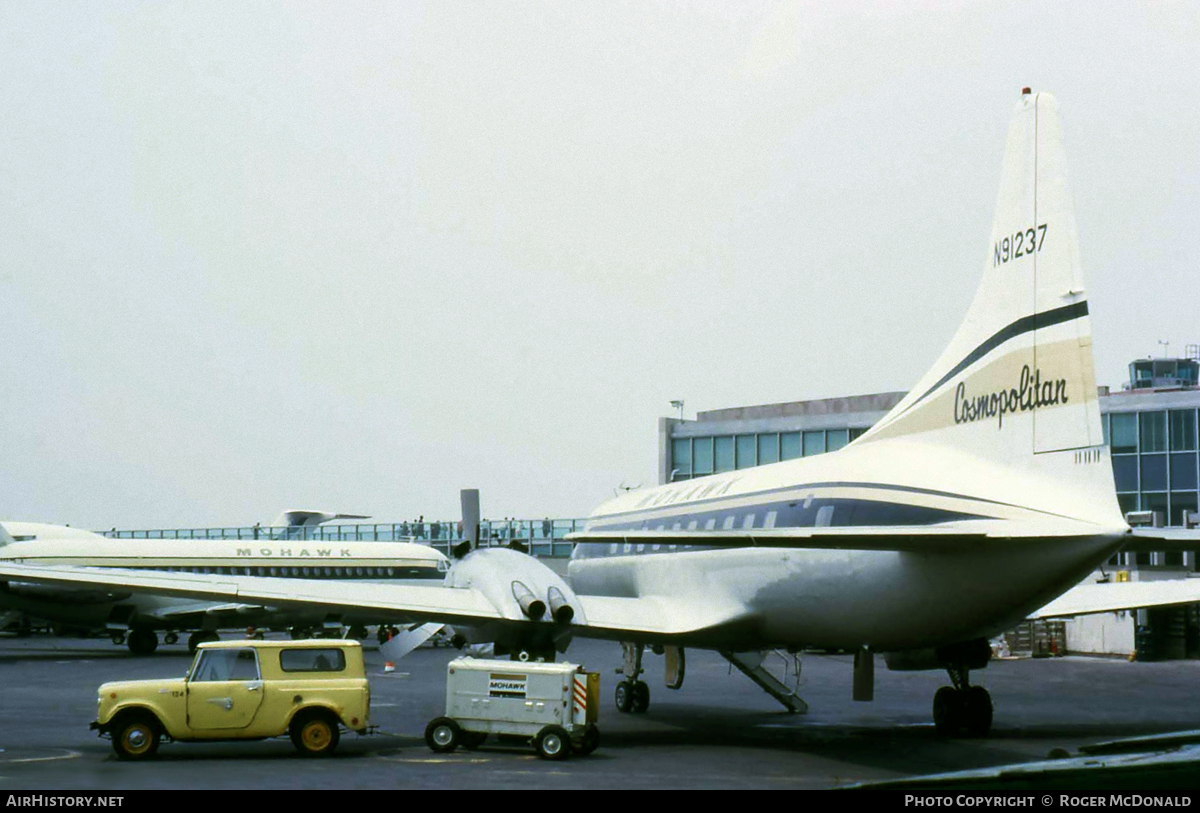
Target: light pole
[678,405]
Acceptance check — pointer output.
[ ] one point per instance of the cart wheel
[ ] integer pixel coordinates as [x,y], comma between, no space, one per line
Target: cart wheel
[442,735]
[553,742]
[591,739]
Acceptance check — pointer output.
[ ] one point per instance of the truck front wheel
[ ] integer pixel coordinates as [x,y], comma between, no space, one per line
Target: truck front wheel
[135,736]
[315,734]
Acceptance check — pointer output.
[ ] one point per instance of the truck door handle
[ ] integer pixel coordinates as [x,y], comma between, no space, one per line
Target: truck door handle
[226,702]
[254,686]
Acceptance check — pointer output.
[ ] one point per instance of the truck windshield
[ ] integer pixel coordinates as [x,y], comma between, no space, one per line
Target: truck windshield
[226,664]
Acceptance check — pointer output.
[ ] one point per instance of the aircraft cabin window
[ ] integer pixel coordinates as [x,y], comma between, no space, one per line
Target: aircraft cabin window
[748,522]
[710,524]
[692,525]
[824,516]
[769,522]
[728,523]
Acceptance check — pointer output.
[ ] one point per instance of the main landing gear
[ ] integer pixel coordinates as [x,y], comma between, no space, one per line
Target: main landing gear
[962,708]
[633,695]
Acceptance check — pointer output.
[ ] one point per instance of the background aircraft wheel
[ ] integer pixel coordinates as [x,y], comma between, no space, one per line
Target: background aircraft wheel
[590,741]
[977,711]
[135,736]
[315,734]
[473,739]
[358,633]
[442,735]
[201,637]
[171,638]
[641,697]
[142,641]
[624,696]
[118,638]
[553,742]
[947,711]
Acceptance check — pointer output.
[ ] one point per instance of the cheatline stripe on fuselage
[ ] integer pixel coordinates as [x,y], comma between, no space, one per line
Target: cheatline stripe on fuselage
[1023,325]
[687,508]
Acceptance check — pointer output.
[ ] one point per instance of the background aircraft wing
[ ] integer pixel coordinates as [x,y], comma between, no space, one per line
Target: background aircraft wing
[1112,596]
[1146,540]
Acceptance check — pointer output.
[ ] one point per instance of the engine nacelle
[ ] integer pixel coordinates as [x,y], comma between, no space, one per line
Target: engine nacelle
[520,588]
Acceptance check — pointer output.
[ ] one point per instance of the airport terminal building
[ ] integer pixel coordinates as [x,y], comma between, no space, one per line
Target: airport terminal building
[1150,426]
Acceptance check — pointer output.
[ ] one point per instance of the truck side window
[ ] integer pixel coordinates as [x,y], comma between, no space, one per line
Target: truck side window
[312,660]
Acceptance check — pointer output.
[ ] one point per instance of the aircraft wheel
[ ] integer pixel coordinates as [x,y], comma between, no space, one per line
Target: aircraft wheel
[624,696]
[442,735]
[118,638]
[553,742]
[135,736]
[142,641]
[201,637]
[947,711]
[590,741]
[171,638]
[977,711]
[641,697]
[315,734]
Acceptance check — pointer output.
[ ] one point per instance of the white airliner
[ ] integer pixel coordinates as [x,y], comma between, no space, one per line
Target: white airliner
[984,494]
[136,618]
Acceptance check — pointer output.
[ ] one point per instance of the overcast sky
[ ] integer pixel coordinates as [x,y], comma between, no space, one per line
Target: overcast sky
[357,256]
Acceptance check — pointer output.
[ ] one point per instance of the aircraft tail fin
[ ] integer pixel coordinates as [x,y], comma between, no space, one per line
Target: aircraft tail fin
[1016,385]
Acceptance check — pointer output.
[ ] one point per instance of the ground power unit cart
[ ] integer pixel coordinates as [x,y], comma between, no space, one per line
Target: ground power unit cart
[553,706]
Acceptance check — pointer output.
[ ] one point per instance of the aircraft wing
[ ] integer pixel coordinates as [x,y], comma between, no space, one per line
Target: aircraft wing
[415,602]
[1112,596]
[600,617]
